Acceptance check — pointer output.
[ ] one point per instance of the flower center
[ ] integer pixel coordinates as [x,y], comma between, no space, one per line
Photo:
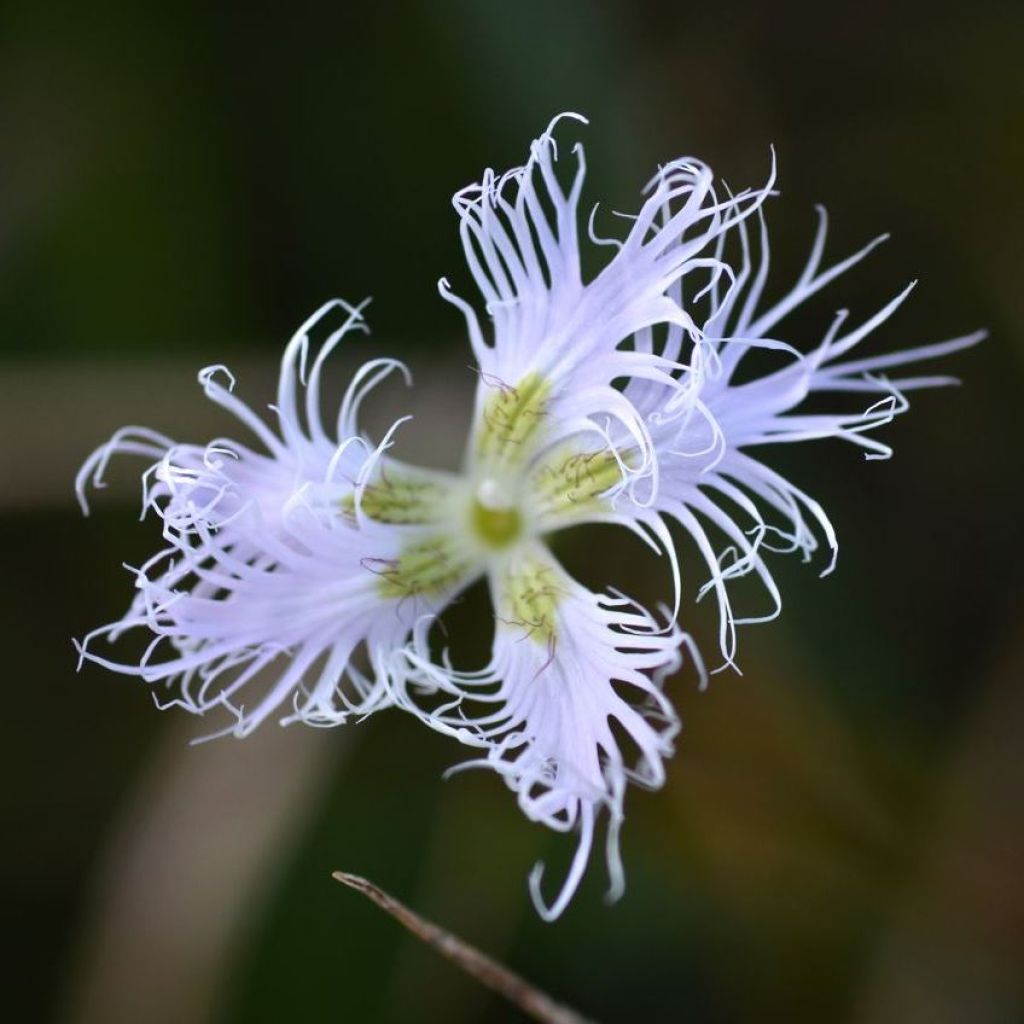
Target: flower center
[494,517]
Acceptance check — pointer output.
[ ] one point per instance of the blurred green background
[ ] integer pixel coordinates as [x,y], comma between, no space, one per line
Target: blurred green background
[842,834]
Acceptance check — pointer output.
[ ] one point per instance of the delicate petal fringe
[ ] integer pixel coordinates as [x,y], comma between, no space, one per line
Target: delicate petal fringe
[520,233]
[266,591]
[703,429]
[542,710]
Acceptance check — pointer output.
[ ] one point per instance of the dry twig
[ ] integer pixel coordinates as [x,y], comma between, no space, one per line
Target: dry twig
[515,989]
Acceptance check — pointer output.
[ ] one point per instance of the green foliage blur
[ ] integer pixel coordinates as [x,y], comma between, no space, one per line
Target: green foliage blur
[843,829]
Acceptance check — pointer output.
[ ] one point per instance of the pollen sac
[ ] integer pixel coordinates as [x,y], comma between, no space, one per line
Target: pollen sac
[570,483]
[511,419]
[426,567]
[529,595]
[394,498]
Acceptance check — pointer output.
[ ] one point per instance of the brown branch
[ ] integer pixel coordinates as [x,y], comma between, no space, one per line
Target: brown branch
[515,989]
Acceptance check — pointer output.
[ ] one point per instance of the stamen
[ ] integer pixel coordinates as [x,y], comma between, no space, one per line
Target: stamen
[529,597]
[574,482]
[397,498]
[510,419]
[426,568]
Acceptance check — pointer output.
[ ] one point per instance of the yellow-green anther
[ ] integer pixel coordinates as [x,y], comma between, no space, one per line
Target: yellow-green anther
[425,567]
[510,418]
[398,499]
[530,595]
[570,483]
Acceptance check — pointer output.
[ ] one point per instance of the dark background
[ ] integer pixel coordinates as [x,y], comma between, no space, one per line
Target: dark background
[842,833]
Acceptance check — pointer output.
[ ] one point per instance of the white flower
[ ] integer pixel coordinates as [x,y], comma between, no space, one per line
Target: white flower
[614,400]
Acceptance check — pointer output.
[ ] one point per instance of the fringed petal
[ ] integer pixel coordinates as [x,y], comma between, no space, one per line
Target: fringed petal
[291,575]
[570,707]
